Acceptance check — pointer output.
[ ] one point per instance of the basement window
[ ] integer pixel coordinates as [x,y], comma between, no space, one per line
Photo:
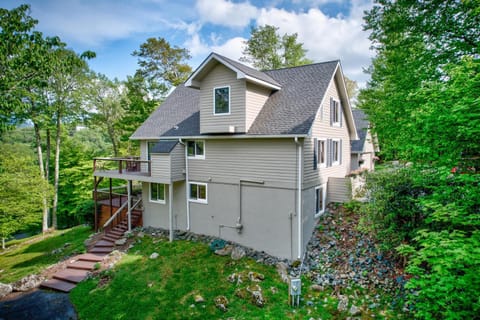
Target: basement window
[320,199]
[197,192]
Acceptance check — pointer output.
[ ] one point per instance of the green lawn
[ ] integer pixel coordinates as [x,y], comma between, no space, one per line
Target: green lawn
[164,288]
[32,255]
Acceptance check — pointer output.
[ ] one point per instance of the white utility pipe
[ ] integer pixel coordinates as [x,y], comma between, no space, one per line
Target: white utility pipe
[186,183]
[299,196]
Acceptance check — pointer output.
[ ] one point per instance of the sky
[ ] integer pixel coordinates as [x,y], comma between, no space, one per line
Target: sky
[329,29]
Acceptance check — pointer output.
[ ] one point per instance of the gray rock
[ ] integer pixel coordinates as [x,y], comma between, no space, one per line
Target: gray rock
[154,255]
[342,303]
[237,253]
[140,234]
[316,287]
[121,241]
[354,311]
[198,298]
[5,289]
[27,283]
[221,302]
[227,250]
[282,270]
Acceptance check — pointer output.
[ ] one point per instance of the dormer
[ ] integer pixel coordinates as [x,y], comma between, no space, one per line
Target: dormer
[231,94]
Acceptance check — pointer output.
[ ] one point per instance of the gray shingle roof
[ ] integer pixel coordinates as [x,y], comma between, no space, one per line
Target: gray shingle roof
[290,110]
[362,124]
[164,146]
[177,116]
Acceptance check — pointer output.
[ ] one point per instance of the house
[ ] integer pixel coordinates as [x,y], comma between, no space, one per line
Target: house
[363,150]
[248,156]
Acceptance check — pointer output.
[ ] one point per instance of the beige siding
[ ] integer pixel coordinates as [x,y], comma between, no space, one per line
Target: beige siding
[161,166]
[221,76]
[322,129]
[256,97]
[177,158]
[339,190]
[270,160]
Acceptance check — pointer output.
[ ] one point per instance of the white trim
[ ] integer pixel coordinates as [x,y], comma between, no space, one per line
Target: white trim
[204,201]
[336,162]
[324,199]
[229,101]
[261,82]
[202,157]
[150,193]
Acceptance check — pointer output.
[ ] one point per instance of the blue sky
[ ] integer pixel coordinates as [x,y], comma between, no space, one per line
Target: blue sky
[329,29]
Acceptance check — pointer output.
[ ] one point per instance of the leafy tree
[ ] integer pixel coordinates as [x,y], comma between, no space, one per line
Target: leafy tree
[267,49]
[424,52]
[162,66]
[23,190]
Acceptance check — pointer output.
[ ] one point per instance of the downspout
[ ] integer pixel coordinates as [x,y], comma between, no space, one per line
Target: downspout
[299,195]
[186,183]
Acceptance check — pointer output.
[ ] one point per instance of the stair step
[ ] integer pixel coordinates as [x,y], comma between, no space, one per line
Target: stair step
[59,285]
[104,243]
[110,238]
[91,257]
[82,265]
[71,275]
[101,250]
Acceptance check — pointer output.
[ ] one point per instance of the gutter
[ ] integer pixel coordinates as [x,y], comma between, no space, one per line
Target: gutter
[186,183]
[299,194]
[223,136]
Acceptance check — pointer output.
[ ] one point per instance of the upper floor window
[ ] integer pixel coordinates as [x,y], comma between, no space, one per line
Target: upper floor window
[196,149]
[322,153]
[221,100]
[336,152]
[335,112]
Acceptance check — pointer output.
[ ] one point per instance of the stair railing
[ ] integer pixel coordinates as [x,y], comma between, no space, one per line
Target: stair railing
[107,225]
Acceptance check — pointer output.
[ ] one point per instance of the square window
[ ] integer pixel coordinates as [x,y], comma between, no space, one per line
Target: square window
[221,100]
[157,192]
[198,192]
[196,149]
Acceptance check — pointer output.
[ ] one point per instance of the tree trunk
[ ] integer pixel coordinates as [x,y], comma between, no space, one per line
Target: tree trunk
[111,133]
[3,243]
[47,157]
[38,141]
[57,171]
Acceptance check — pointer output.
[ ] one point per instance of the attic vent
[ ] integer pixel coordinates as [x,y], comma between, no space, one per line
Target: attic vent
[231,129]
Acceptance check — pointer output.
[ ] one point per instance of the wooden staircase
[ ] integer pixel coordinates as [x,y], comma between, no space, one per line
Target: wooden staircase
[79,266]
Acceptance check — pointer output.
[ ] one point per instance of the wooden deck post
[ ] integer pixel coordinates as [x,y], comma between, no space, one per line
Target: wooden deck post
[95,203]
[129,199]
[170,210]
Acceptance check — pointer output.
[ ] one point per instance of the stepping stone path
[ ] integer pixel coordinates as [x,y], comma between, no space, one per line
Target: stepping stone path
[79,266]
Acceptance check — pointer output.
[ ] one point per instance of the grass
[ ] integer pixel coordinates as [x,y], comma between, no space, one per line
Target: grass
[32,255]
[165,288]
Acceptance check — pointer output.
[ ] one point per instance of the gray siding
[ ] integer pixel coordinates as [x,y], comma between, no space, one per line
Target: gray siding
[177,163]
[322,129]
[221,76]
[256,96]
[161,166]
[227,161]
[156,214]
[339,190]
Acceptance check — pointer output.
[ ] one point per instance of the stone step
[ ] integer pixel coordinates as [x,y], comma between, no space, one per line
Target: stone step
[82,265]
[59,285]
[104,243]
[90,257]
[71,275]
[101,250]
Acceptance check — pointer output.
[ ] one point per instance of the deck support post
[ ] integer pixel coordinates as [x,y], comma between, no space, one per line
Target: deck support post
[129,206]
[170,210]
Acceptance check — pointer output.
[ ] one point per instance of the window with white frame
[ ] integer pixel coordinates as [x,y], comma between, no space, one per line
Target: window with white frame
[157,192]
[336,151]
[335,112]
[221,100]
[196,149]
[322,152]
[197,192]
[320,199]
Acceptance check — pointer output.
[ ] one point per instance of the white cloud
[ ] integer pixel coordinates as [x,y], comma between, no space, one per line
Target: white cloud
[232,48]
[226,13]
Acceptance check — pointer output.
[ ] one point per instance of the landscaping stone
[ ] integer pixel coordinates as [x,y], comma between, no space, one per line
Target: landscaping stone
[354,311]
[316,287]
[154,255]
[221,302]
[255,276]
[5,289]
[282,269]
[140,234]
[198,298]
[27,283]
[121,241]
[227,250]
[342,303]
[237,253]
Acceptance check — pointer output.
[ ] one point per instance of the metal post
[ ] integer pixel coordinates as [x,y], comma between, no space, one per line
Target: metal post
[95,202]
[170,209]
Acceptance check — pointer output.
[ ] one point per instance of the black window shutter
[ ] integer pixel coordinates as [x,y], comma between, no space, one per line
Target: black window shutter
[340,111]
[331,110]
[329,152]
[340,151]
[315,153]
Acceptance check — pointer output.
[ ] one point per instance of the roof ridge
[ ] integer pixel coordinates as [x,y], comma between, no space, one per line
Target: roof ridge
[303,65]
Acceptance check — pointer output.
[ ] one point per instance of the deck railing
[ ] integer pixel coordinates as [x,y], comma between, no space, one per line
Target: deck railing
[123,165]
